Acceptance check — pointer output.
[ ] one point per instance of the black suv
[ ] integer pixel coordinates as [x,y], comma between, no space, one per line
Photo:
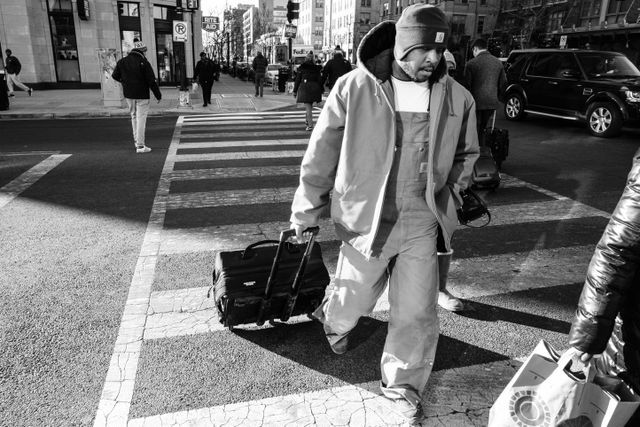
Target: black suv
[598,87]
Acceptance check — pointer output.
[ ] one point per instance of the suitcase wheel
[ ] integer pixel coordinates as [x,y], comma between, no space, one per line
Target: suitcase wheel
[230,327]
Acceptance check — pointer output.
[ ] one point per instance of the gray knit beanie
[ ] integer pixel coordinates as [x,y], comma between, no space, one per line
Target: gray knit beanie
[420,25]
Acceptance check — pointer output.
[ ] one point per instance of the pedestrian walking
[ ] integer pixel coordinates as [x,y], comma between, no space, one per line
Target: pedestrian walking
[334,68]
[607,320]
[486,80]
[13,68]
[259,65]
[137,78]
[204,74]
[308,87]
[445,299]
[394,145]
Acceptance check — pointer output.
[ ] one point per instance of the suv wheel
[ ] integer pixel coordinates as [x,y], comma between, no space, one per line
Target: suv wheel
[604,119]
[514,107]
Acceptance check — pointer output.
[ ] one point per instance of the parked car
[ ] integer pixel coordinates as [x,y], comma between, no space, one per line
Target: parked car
[599,88]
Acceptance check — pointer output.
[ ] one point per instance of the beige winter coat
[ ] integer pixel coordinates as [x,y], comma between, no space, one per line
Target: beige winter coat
[351,149]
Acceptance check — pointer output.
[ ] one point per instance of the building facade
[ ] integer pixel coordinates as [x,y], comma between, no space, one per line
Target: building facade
[311,23]
[346,22]
[57,40]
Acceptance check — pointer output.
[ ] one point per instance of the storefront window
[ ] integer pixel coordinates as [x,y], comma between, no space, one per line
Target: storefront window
[129,20]
[60,6]
[164,47]
[63,37]
[126,38]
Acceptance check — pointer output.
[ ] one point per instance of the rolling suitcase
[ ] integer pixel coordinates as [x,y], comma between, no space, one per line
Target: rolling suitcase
[485,171]
[270,279]
[498,141]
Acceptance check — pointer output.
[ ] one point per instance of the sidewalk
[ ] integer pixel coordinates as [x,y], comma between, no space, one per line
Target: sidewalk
[228,95]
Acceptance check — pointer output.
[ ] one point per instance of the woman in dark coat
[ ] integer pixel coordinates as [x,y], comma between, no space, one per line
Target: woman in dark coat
[607,320]
[308,86]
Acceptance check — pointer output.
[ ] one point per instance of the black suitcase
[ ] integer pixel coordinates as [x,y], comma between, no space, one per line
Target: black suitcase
[498,141]
[485,171]
[269,280]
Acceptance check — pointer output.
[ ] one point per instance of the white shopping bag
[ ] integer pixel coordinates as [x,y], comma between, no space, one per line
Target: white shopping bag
[544,393]
[194,87]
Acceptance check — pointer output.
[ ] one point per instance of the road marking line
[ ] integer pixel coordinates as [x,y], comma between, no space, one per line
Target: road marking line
[238,155]
[115,400]
[262,134]
[228,237]
[13,189]
[242,144]
[211,199]
[225,173]
[352,405]
[27,153]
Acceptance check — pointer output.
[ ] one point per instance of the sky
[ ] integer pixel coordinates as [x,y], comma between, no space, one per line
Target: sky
[218,6]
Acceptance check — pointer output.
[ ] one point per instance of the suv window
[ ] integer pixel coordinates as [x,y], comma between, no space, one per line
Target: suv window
[515,64]
[553,64]
[607,65]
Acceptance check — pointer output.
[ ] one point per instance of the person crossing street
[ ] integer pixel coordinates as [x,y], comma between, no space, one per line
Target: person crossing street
[137,78]
[13,68]
[393,146]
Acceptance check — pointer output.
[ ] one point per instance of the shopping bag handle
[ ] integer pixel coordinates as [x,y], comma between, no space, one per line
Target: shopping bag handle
[588,370]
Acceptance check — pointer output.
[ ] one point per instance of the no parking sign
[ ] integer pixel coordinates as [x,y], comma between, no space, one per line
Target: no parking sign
[180,33]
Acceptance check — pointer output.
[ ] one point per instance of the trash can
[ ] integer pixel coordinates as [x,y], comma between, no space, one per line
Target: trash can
[283,76]
[4,92]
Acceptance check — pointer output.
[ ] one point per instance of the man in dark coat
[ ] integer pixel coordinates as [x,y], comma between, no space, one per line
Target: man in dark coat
[204,74]
[486,80]
[308,87]
[334,68]
[137,78]
[259,65]
[607,320]
[13,68]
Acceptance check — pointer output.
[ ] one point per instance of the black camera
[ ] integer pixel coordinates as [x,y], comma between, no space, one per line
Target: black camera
[473,208]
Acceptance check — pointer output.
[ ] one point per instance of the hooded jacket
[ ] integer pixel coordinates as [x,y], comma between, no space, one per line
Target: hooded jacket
[608,315]
[351,148]
[136,75]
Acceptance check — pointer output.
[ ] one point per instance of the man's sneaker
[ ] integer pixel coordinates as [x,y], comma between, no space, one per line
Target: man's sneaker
[413,414]
[30,91]
[449,302]
[11,95]
[309,128]
[143,149]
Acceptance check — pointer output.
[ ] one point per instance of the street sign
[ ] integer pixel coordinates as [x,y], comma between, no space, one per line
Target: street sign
[290,31]
[180,33]
[210,23]
[563,42]
[193,4]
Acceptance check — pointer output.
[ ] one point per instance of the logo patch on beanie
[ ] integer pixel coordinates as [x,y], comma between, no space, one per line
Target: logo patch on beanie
[439,37]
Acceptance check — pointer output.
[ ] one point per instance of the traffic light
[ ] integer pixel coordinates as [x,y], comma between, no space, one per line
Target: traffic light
[292,11]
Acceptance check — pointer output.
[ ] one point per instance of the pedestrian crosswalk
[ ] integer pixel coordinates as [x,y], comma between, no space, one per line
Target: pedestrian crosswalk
[228,181]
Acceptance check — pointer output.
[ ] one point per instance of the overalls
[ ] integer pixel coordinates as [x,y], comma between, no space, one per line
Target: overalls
[405,256]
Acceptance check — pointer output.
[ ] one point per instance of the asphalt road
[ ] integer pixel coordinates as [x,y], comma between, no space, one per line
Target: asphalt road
[72,239]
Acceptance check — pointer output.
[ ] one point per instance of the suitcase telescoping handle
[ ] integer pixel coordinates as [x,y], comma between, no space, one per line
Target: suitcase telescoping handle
[295,288]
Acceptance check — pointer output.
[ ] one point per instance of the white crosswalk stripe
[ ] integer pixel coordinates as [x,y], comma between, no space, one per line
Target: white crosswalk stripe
[175,313]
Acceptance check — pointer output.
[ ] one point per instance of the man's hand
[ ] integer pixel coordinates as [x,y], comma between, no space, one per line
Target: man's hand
[299,232]
[583,356]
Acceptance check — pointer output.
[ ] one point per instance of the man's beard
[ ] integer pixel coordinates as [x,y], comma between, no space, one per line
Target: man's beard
[420,75]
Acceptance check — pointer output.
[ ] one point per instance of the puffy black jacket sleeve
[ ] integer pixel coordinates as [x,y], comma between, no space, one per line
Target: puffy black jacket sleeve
[151,80]
[612,271]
